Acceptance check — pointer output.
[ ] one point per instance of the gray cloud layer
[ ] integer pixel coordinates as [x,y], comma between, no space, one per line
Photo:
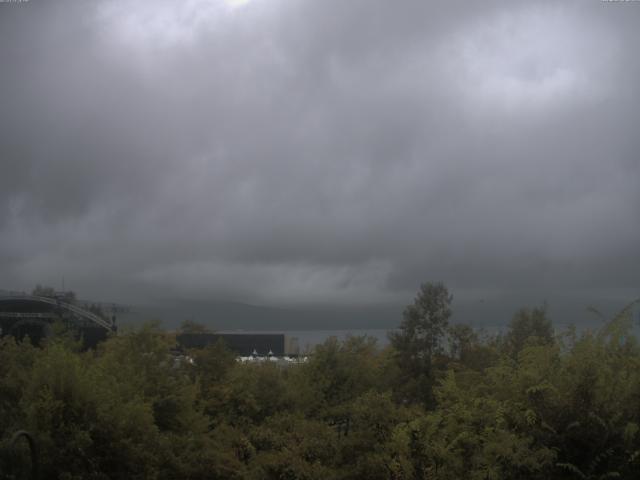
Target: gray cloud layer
[295,152]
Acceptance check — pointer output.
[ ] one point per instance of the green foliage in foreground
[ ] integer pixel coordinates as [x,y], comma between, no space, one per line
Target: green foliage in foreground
[524,406]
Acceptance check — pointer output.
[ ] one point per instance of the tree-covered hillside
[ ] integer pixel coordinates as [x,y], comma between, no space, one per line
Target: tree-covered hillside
[441,402]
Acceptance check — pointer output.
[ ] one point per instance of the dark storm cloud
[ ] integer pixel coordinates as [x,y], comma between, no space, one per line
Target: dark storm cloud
[327,152]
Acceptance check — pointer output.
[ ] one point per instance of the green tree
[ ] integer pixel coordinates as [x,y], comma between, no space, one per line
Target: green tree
[419,339]
[529,326]
[337,373]
[43,291]
[191,326]
[210,371]
[290,446]
[462,339]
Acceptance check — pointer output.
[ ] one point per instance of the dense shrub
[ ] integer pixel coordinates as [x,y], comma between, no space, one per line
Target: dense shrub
[526,406]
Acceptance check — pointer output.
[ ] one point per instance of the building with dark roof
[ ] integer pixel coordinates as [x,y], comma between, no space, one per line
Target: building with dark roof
[244,344]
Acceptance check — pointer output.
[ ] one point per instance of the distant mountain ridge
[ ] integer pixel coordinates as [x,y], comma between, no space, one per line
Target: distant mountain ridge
[228,315]
[234,315]
[221,315]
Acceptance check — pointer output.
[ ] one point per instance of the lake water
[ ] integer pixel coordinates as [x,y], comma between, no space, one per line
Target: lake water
[307,339]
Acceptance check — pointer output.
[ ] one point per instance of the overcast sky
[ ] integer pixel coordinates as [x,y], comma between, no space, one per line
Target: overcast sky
[317,152]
